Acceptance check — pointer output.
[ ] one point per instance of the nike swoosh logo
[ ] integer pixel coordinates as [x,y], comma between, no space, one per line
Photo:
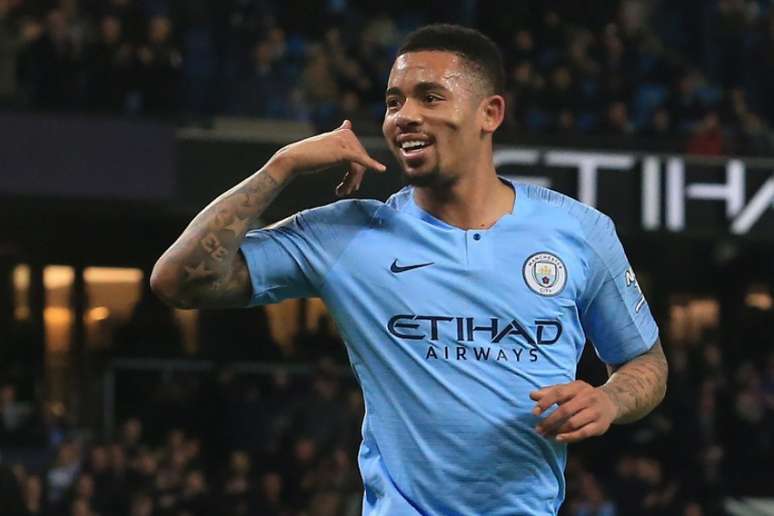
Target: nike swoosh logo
[397,268]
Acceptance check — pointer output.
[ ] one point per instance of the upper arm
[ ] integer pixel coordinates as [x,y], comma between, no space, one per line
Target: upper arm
[656,353]
[231,292]
[202,289]
[614,313]
[279,262]
[291,259]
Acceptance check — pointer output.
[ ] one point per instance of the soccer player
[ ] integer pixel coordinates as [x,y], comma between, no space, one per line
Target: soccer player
[464,301]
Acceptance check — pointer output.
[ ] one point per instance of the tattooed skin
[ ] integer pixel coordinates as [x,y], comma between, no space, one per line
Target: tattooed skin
[210,270]
[204,267]
[638,386]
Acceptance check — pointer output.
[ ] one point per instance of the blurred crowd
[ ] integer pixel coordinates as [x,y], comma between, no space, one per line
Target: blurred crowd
[227,445]
[695,75]
[284,441]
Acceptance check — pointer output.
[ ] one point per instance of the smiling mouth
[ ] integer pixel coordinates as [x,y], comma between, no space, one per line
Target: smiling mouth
[414,148]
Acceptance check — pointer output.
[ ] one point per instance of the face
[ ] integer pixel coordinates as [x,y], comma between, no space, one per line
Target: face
[437,116]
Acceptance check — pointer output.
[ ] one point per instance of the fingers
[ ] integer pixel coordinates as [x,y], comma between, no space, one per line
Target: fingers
[581,419]
[357,158]
[557,419]
[356,151]
[556,394]
[352,180]
[591,429]
[359,175]
[362,158]
[583,411]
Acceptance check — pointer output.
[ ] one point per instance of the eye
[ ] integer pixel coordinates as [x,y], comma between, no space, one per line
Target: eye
[392,103]
[431,98]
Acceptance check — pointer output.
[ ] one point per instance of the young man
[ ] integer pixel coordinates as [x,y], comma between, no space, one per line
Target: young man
[464,300]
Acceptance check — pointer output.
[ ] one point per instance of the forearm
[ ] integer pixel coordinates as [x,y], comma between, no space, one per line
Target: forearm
[199,266]
[638,386]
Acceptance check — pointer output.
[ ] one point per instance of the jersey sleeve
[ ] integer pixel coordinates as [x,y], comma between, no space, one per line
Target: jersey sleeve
[614,313]
[291,258]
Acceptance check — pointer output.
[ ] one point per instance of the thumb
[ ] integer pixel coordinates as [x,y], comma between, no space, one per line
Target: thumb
[345,125]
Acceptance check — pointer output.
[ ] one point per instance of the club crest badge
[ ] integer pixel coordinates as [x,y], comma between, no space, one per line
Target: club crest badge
[545,274]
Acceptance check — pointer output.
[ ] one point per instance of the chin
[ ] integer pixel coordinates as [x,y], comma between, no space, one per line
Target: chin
[426,178]
[420,177]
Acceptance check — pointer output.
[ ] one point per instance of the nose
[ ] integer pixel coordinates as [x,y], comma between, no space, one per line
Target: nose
[408,115]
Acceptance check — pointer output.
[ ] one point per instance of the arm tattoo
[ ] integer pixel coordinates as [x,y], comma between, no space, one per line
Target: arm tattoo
[209,267]
[639,385]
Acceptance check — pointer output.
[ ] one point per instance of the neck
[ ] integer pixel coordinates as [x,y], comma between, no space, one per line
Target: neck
[474,201]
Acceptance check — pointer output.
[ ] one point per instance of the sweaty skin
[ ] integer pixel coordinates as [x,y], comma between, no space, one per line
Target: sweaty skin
[438,97]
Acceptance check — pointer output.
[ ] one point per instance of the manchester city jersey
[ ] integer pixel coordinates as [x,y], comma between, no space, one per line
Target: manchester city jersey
[449,330]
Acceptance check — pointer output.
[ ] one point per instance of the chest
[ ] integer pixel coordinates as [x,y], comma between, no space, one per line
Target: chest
[465,284]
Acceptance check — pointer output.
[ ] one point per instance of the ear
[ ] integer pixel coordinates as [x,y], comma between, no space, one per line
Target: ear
[493,112]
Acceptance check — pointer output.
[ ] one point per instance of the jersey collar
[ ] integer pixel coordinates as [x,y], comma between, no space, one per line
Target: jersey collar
[414,209]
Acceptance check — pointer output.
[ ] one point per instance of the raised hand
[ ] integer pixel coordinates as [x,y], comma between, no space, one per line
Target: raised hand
[338,147]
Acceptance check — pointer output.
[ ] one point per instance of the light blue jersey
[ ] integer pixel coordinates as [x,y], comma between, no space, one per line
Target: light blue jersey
[449,330]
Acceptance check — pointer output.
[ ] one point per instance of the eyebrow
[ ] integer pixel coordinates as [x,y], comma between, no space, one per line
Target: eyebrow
[420,86]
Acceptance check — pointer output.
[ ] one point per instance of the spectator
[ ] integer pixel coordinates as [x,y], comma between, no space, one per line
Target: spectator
[14,416]
[264,92]
[109,65]
[321,89]
[658,133]
[238,486]
[708,138]
[726,32]
[594,501]
[322,415]
[618,119]
[133,19]
[9,43]
[131,434]
[271,495]
[616,69]
[80,507]
[568,65]
[142,505]
[12,498]
[49,63]
[195,497]
[524,96]
[85,489]
[686,105]
[522,47]
[755,138]
[561,96]
[160,64]
[63,474]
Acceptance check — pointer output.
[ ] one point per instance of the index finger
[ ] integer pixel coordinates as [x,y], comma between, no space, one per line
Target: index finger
[368,162]
[550,395]
[360,154]
[352,180]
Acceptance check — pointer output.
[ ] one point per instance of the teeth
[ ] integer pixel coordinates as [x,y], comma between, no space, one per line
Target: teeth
[412,144]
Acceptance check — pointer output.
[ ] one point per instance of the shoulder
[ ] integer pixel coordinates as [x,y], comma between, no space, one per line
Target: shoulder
[328,228]
[399,199]
[350,213]
[561,210]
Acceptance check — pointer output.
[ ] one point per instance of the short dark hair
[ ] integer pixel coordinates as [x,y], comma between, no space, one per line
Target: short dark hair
[481,53]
